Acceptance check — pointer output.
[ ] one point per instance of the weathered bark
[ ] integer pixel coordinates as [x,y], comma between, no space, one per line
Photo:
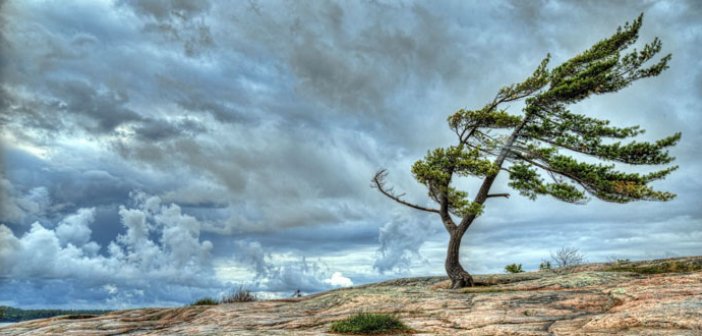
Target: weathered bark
[459,277]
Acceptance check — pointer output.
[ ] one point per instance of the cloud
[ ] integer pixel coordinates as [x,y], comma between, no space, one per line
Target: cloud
[161,9]
[161,245]
[46,192]
[252,254]
[339,280]
[258,196]
[16,206]
[156,130]
[291,274]
[308,277]
[400,242]
[75,229]
[183,21]
[9,209]
[161,248]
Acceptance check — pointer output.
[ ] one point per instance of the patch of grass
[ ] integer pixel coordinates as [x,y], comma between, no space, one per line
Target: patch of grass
[659,268]
[370,323]
[206,301]
[240,295]
[237,295]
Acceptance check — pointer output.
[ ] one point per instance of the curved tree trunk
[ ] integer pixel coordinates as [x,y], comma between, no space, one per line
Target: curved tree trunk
[459,277]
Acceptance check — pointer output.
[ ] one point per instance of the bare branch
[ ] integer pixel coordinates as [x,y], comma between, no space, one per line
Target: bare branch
[505,195]
[379,183]
[567,257]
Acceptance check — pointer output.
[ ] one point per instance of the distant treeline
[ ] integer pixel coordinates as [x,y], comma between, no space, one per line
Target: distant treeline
[10,314]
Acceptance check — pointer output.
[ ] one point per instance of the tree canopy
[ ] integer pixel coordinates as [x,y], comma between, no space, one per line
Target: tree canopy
[547,149]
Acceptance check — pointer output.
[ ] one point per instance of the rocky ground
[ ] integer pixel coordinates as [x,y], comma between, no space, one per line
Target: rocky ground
[660,297]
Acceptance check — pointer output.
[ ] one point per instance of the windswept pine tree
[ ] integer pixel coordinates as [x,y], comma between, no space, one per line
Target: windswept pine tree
[538,147]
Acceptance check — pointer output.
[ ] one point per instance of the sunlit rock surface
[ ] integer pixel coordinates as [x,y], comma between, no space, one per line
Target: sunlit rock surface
[661,297]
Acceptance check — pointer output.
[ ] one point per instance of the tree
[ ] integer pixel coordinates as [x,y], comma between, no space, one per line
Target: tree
[537,147]
[566,257]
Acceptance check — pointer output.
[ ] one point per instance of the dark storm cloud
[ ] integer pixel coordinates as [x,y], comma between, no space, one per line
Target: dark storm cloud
[18,110]
[260,197]
[67,183]
[219,111]
[361,68]
[265,120]
[379,65]
[167,10]
[183,21]
[106,110]
[156,130]
[17,207]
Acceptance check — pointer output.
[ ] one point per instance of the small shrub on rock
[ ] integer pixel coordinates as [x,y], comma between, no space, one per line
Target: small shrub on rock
[240,295]
[207,301]
[545,266]
[514,268]
[369,323]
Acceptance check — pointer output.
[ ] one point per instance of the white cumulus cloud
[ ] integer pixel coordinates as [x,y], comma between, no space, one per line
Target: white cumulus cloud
[161,247]
[339,280]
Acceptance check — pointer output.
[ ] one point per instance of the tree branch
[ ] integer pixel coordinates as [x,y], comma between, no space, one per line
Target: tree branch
[490,179]
[379,183]
[444,200]
[505,195]
[550,170]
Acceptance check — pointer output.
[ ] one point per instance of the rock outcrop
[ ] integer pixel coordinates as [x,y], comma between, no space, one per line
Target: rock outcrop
[661,297]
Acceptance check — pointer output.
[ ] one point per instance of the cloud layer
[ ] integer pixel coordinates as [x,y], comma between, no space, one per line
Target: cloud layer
[160,245]
[159,259]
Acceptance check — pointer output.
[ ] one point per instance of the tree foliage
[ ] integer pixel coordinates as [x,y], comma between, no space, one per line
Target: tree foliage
[545,149]
[514,268]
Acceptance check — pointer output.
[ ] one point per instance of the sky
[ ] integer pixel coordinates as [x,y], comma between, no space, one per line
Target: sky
[155,152]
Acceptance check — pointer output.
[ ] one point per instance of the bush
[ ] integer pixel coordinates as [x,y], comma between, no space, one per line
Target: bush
[514,268]
[206,301]
[545,265]
[369,323]
[239,295]
[566,257]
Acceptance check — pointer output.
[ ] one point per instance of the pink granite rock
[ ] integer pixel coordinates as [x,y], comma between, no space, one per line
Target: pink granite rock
[598,299]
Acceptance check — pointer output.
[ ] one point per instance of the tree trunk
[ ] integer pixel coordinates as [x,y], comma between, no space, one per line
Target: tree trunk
[459,277]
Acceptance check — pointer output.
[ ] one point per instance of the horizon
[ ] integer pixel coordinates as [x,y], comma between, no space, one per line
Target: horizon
[157,152]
